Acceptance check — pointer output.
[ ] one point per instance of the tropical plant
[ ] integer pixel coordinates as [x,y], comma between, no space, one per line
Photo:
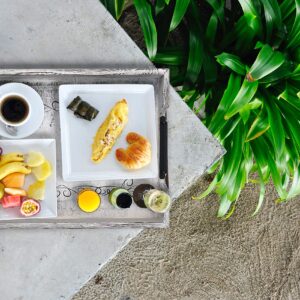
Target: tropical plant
[115,7]
[242,60]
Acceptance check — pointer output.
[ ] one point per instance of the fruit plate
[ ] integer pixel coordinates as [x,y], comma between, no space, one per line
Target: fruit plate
[77,134]
[48,148]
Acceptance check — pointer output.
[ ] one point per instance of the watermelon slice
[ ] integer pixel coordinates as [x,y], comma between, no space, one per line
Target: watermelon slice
[11,201]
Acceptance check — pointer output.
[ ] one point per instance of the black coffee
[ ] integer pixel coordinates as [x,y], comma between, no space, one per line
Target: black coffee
[14,109]
[124,200]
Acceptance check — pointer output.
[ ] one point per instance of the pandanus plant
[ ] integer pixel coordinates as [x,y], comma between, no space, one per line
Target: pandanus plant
[241,60]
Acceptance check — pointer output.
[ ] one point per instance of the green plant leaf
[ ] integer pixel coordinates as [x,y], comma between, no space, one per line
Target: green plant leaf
[261,192]
[242,36]
[218,10]
[237,185]
[163,21]
[196,47]
[265,155]
[292,122]
[247,108]
[289,23]
[251,14]
[286,179]
[290,95]
[180,9]
[191,101]
[254,104]
[224,207]
[231,61]
[295,186]
[287,7]
[259,126]
[209,68]
[293,37]
[248,159]
[276,177]
[211,29]
[267,61]
[230,212]
[115,7]
[159,6]
[293,152]
[144,12]
[228,175]
[229,127]
[245,114]
[170,57]
[195,58]
[233,157]
[272,16]
[230,93]
[261,159]
[244,96]
[276,128]
[177,75]
[283,72]
[296,73]
[244,170]
[214,167]
[210,188]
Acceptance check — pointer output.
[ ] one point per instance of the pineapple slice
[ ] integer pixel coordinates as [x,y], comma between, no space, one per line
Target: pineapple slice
[35,159]
[43,171]
[37,190]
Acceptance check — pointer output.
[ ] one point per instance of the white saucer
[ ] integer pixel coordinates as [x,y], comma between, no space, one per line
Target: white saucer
[37,110]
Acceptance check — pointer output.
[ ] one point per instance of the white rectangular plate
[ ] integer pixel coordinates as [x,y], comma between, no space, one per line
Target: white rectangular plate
[48,148]
[77,134]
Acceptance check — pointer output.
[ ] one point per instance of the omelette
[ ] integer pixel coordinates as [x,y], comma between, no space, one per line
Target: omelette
[109,131]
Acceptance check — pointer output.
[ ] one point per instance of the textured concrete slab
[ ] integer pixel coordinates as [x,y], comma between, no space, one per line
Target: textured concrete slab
[53,264]
[73,33]
[65,33]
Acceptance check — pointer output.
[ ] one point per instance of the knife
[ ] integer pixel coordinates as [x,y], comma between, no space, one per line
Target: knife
[163,130]
[163,161]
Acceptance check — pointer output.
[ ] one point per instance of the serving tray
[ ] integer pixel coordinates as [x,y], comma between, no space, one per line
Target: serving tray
[46,82]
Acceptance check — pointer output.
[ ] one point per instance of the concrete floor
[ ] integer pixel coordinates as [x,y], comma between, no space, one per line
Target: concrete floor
[202,257]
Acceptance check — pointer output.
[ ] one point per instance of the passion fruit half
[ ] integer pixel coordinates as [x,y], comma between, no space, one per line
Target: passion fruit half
[30,208]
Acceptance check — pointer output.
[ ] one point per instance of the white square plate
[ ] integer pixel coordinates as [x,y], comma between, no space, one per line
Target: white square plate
[77,134]
[48,148]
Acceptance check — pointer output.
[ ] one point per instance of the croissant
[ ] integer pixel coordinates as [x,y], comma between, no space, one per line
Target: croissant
[138,153]
[109,131]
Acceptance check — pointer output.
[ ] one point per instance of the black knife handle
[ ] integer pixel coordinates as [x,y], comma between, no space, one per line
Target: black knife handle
[163,153]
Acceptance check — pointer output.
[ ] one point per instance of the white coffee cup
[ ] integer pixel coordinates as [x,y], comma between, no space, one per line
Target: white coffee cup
[15,109]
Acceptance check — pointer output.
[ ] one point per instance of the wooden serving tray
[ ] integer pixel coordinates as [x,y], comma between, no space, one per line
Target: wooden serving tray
[46,82]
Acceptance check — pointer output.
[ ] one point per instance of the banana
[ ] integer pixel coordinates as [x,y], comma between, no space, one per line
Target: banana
[1,190]
[11,157]
[14,167]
